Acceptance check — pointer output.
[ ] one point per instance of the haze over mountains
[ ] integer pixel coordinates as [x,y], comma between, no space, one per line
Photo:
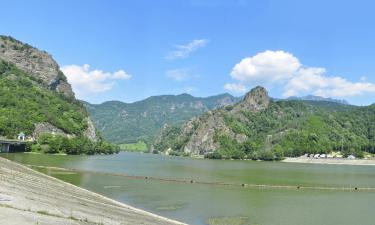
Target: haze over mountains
[318,98]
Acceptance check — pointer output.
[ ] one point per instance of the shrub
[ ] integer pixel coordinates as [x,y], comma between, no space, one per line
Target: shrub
[213,155]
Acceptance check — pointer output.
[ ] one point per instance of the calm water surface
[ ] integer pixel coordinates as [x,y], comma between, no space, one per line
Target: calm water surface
[201,204]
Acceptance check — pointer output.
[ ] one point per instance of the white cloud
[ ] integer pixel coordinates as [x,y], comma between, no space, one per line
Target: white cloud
[314,80]
[85,81]
[120,75]
[181,74]
[266,67]
[239,88]
[283,69]
[183,51]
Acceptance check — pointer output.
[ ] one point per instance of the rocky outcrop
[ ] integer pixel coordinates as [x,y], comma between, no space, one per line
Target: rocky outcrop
[255,100]
[46,128]
[202,132]
[35,62]
[90,132]
[41,66]
[198,135]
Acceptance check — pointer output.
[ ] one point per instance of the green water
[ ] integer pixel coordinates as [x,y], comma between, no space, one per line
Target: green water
[200,203]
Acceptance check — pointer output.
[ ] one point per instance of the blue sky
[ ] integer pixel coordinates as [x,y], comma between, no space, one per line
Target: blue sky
[129,50]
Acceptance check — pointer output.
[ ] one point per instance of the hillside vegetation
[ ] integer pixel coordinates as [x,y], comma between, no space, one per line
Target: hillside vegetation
[259,128]
[24,101]
[41,104]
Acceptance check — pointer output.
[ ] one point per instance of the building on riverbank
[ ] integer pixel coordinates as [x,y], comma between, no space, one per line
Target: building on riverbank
[8,145]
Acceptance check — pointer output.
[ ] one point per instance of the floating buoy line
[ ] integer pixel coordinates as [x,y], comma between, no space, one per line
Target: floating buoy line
[190,181]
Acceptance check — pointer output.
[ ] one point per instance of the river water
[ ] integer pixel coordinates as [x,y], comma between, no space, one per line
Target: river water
[198,191]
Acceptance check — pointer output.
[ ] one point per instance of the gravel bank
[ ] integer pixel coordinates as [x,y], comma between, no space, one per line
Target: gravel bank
[30,197]
[365,162]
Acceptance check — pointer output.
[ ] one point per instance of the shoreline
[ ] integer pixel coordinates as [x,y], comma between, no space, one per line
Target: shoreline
[331,161]
[31,197]
[301,159]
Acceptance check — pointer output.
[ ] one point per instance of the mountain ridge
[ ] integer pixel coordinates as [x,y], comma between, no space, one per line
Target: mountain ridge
[142,120]
[261,128]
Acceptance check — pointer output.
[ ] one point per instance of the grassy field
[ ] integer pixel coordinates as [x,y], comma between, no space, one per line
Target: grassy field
[140,146]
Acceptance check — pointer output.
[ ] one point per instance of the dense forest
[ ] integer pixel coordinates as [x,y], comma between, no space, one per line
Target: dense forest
[283,129]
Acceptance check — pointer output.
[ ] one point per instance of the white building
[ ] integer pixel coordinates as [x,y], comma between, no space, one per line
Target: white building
[21,136]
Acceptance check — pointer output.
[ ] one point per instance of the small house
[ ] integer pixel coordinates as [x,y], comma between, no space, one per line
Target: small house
[21,136]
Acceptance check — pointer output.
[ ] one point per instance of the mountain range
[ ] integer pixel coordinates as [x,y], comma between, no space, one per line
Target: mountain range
[142,121]
[261,128]
[121,122]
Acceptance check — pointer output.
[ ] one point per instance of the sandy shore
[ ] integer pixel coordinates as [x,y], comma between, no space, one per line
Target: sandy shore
[30,197]
[365,162]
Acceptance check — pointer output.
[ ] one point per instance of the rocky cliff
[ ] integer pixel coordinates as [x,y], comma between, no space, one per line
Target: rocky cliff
[53,108]
[198,136]
[38,63]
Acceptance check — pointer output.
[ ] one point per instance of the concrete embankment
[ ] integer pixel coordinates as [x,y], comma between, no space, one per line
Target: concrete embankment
[30,197]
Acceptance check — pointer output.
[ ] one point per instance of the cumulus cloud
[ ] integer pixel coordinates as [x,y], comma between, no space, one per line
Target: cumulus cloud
[239,88]
[285,70]
[85,81]
[268,66]
[314,80]
[183,51]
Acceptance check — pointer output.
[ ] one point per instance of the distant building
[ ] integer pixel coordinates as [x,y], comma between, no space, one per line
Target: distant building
[21,136]
[351,157]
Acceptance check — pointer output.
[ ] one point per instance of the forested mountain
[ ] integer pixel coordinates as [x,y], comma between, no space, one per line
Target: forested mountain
[130,122]
[260,128]
[36,99]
